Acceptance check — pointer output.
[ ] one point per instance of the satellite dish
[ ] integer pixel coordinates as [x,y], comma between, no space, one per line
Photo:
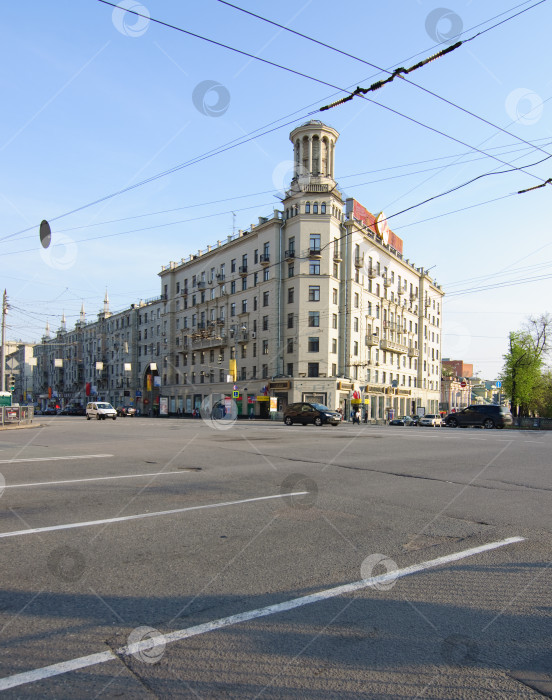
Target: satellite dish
[45,234]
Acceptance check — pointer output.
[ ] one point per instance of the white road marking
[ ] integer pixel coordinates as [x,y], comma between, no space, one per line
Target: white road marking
[161,640]
[51,459]
[94,478]
[89,523]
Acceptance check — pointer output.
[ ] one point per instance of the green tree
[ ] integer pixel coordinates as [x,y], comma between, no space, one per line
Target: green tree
[522,374]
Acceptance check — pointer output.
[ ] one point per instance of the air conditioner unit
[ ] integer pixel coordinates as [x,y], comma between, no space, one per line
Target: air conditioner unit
[253,334]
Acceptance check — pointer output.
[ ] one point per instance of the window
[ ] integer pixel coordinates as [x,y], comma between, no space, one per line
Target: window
[232,309]
[355,324]
[334,296]
[266,274]
[254,349]
[334,320]
[265,372]
[314,344]
[314,241]
[233,287]
[313,369]
[289,345]
[355,347]
[256,256]
[265,298]
[334,345]
[233,265]
[355,300]
[314,293]
[290,321]
[255,279]
[178,287]
[266,250]
[290,295]
[315,208]
[244,306]
[336,270]
[307,208]
[290,369]
[323,208]
[244,351]
[291,270]
[314,267]
[314,319]
[244,284]
[265,323]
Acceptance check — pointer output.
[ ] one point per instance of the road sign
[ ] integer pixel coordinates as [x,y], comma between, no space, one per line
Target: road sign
[463,384]
[498,385]
[235,394]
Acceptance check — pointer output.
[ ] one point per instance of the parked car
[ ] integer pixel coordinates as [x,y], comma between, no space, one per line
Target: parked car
[126,411]
[50,411]
[431,419]
[411,420]
[310,413]
[72,411]
[100,410]
[397,421]
[482,415]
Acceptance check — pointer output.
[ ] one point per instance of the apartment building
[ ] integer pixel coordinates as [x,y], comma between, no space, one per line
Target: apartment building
[315,303]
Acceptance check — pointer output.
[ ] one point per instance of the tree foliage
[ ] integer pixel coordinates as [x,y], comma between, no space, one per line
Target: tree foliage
[522,376]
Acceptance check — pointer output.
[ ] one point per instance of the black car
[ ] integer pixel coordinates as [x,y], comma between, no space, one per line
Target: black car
[396,421]
[310,413]
[482,415]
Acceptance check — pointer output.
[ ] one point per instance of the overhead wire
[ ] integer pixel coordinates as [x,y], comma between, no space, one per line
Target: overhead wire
[236,142]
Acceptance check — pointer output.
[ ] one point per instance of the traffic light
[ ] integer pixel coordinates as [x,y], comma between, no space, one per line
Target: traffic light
[11,383]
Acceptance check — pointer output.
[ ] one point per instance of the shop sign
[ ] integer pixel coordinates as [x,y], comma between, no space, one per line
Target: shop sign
[273,403]
[263,398]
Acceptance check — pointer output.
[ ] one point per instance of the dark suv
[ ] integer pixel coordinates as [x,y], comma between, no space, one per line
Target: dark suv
[310,413]
[484,415]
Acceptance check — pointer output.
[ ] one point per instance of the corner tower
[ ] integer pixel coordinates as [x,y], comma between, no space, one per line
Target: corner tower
[314,155]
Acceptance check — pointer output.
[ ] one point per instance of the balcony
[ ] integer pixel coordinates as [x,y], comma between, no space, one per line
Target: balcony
[242,270]
[359,261]
[337,256]
[205,342]
[392,346]
[243,336]
[201,284]
[184,292]
[220,321]
[386,282]
[413,352]
[221,277]
[371,340]
[372,273]
[264,259]
[315,253]
[289,254]
[413,296]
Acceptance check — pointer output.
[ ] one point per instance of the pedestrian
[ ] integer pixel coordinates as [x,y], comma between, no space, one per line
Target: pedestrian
[357,416]
[365,417]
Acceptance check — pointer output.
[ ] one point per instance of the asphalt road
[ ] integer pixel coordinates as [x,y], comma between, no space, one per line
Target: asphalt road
[168,558]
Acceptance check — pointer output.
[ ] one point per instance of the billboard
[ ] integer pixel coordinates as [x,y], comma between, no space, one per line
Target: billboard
[377,224]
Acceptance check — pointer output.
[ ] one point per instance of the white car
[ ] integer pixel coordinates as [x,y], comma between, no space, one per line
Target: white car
[432,420]
[100,410]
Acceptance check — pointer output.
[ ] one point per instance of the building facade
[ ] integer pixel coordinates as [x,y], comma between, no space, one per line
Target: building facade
[314,303]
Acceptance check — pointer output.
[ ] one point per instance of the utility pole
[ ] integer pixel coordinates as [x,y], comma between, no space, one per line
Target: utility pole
[3,347]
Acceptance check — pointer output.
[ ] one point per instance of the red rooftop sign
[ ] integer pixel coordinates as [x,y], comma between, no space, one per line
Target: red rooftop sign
[377,224]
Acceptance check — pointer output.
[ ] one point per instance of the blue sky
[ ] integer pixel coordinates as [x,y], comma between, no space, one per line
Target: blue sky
[95,101]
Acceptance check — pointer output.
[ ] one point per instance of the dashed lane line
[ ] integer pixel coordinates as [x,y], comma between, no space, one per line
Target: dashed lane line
[58,669]
[51,459]
[140,516]
[94,478]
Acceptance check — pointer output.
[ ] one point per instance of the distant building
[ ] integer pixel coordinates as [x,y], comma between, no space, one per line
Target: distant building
[459,368]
